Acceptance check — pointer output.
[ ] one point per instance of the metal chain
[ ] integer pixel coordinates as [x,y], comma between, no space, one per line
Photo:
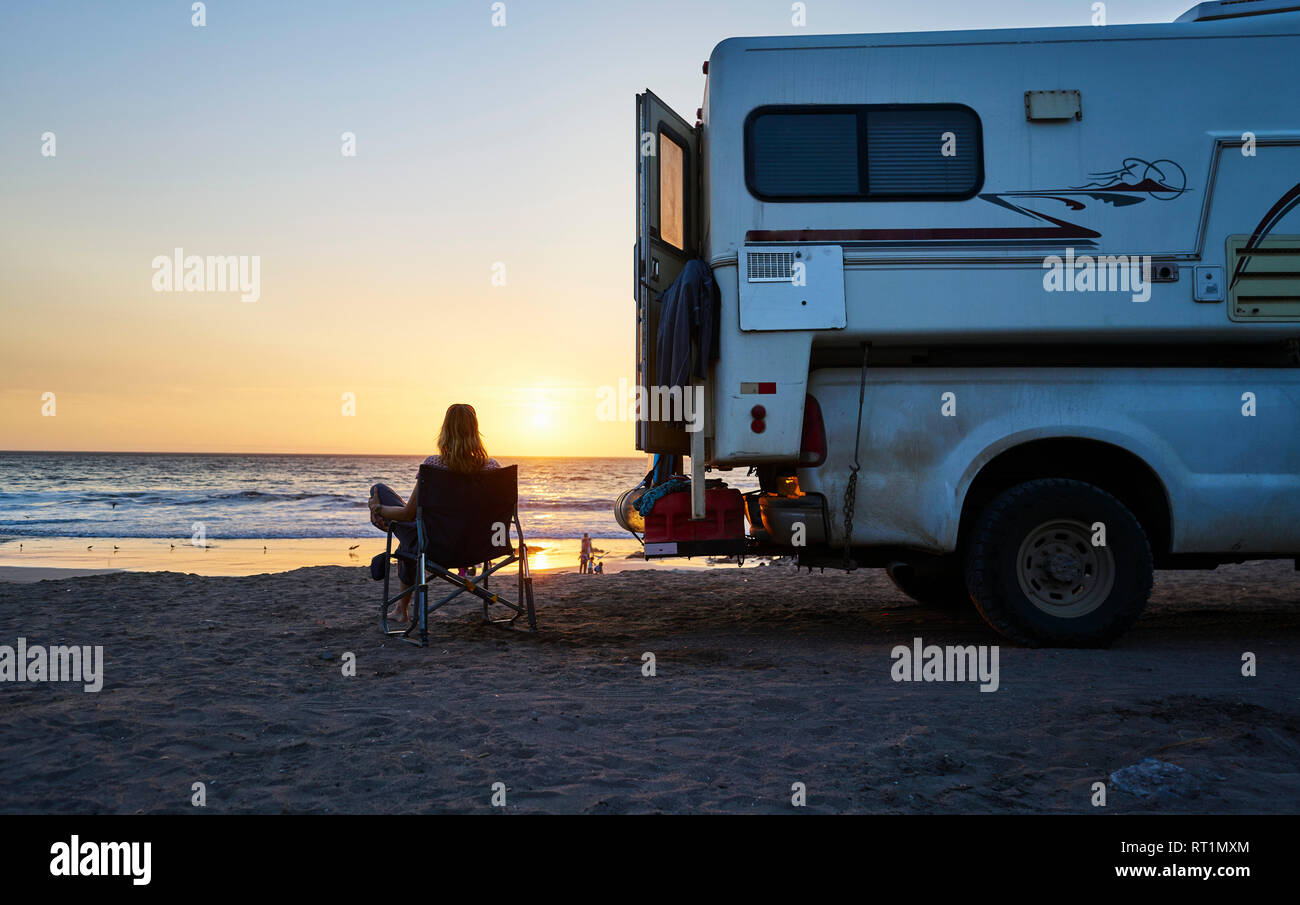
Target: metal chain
[850,492]
[851,489]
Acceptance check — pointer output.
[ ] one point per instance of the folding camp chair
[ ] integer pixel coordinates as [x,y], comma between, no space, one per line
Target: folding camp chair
[463,521]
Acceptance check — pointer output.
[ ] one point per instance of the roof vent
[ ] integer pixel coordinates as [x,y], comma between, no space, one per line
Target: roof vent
[1232,9]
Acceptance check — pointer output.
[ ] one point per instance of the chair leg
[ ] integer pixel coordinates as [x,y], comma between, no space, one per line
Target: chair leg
[388,568]
[526,585]
[424,604]
[417,632]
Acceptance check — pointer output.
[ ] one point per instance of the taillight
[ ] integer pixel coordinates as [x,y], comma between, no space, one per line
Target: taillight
[812,446]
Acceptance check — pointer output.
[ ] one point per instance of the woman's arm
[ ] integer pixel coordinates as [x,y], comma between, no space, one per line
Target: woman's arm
[403,513]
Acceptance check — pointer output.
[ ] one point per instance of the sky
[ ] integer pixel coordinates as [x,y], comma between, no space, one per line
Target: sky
[476,247]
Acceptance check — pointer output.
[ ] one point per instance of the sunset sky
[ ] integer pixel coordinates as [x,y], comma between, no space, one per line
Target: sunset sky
[474,145]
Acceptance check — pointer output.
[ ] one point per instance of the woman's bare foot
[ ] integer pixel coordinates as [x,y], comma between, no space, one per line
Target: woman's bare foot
[403,612]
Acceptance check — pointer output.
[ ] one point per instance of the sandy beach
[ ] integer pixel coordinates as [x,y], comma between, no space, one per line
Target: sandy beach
[38,558]
[764,678]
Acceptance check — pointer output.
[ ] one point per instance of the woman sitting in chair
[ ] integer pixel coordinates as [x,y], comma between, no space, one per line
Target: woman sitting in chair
[461,449]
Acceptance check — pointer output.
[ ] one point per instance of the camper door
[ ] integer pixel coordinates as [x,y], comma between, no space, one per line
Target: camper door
[667,188]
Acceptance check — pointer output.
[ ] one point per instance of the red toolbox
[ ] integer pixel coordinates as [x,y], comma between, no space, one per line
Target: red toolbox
[670,520]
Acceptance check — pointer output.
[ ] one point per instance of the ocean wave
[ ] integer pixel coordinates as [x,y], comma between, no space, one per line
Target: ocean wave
[249,497]
[271,496]
[577,505]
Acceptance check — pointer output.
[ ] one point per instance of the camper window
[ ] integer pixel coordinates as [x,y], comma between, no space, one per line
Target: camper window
[806,154]
[864,153]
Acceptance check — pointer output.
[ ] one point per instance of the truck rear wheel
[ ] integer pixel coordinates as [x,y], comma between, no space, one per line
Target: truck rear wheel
[938,583]
[1059,562]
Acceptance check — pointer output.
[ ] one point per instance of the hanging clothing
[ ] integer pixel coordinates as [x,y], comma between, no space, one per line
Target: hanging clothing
[690,309]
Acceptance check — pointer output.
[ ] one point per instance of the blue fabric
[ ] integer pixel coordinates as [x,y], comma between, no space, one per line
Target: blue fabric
[666,465]
[690,308]
[647,501]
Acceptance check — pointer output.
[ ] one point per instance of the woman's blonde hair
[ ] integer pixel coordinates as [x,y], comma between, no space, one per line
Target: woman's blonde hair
[459,441]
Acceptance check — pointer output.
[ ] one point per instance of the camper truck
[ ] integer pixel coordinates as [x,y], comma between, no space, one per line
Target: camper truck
[1014,314]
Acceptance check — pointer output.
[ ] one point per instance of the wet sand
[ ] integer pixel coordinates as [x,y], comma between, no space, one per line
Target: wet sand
[764,678]
[36,558]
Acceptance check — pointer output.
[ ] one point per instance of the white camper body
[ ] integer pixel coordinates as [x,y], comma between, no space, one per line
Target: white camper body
[1066,254]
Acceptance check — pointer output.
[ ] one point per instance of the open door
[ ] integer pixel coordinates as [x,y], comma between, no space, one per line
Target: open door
[667,236]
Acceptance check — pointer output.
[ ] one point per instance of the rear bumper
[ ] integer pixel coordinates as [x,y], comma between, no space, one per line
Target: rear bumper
[794,521]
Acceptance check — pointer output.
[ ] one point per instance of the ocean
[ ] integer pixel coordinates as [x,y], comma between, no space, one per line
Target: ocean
[147,495]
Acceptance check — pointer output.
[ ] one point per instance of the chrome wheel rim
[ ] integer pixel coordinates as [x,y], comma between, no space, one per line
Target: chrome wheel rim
[1061,572]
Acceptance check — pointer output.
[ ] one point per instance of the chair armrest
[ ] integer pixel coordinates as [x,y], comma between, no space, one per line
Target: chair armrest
[392,522]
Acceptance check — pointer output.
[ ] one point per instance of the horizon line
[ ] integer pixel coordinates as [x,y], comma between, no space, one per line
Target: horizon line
[130,452]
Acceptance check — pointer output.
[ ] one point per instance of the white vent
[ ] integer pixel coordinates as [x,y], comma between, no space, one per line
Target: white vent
[792,287]
[769,266]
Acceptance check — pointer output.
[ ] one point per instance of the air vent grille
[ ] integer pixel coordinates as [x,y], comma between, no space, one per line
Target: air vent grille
[1264,279]
[769,266]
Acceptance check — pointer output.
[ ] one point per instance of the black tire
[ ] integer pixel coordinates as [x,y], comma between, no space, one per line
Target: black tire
[939,583]
[1036,577]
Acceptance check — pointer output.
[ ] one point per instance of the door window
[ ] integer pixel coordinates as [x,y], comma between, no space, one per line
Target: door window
[672,191]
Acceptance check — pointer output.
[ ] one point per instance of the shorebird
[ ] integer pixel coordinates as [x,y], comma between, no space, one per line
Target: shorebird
[114,548]
[91,547]
[354,546]
[173,546]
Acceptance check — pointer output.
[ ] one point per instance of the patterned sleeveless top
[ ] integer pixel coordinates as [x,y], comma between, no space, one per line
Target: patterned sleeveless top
[436,462]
